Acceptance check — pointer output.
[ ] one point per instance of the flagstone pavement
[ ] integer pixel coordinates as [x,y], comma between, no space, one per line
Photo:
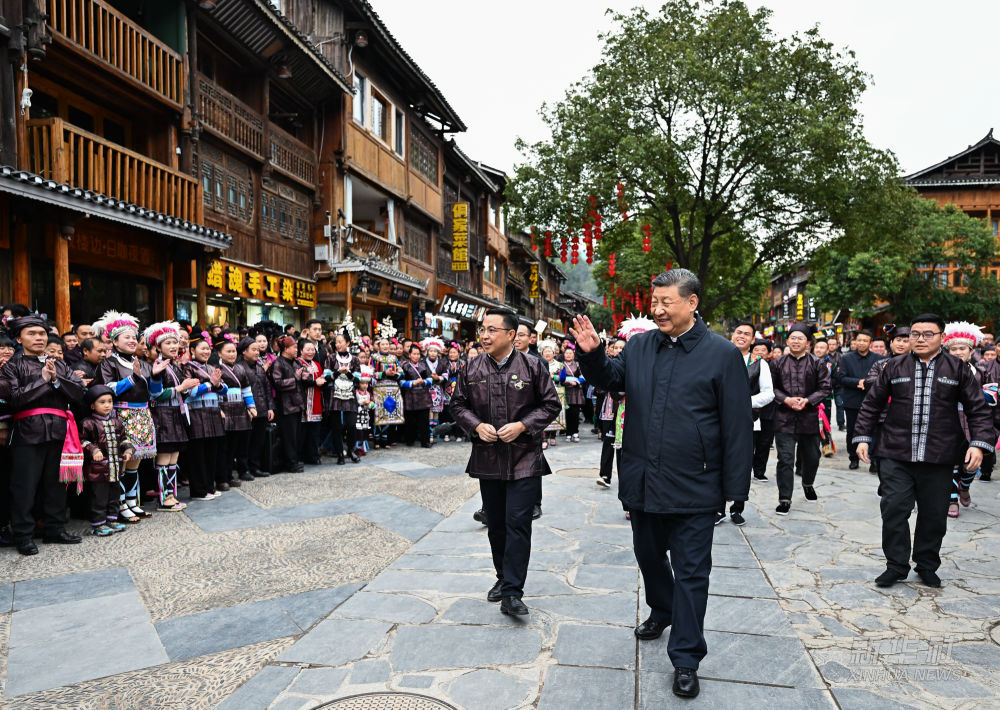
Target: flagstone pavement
[301,589]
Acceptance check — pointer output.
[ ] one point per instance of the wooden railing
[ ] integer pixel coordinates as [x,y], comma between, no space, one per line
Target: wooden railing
[367,243]
[229,117]
[64,153]
[104,33]
[292,157]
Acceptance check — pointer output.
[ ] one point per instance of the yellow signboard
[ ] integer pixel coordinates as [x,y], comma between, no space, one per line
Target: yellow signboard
[533,291]
[250,283]
[460,236]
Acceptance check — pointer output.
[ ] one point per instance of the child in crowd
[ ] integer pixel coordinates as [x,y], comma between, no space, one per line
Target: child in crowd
[365,407]
[106,449]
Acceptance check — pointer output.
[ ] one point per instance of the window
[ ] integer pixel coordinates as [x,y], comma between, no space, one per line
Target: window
[996,226]
[401,133]
[288,218]
[418,241]
[486,267]
[423,156]
[380,117]
[360,90]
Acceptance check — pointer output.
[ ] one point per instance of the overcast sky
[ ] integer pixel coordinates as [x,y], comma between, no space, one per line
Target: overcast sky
[933,65]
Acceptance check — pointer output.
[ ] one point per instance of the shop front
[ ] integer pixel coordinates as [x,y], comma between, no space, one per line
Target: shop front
[460,313]
[240,295]
[371,293]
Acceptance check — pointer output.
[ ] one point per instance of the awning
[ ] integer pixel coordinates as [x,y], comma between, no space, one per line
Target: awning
[379,268]
[21,183]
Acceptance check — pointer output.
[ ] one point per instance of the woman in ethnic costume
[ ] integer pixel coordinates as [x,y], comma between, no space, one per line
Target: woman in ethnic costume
[572,379]
[250,368]
[311,385]
[206,431]
[548,349]
[284,375]
[129,378]
[238,408]
[341,400]
[169,411]
[438,367]
[387,394]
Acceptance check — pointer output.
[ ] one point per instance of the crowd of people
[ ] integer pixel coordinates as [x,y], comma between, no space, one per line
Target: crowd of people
[123,416]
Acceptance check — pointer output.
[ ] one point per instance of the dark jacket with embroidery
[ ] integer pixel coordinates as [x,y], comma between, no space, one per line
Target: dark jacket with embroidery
[521,390]
[922,421]
[806,376]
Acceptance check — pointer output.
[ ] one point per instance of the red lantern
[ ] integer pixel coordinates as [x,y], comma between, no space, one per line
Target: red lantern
[605,300]
[622,207]
[548,243]
[611,264]
[646,240]
[534,246]
[670,265]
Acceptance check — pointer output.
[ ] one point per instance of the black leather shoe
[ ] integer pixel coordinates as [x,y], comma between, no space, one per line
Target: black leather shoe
[809,492]
[494,594]
[650,629]
[355,458]
[480,516]
[854,465]
[536,512]
[686,683]
[929,578]
[340,460]
[27,546]
[63,538]
[889,578]
[260,474]
[513,606]
[296,468]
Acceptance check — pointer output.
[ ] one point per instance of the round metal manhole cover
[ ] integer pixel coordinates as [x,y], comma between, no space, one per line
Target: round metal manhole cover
[386,701]
[579,472]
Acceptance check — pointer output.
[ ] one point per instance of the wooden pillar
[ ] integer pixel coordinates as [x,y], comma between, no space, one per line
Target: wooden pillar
[59,238]
[22,265]
[350,298]
[202,293]
[168,289]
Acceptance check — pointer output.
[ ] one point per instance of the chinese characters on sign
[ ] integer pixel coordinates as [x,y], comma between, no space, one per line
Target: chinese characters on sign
[248,283]
[451,306]
[460,236]
[533,291]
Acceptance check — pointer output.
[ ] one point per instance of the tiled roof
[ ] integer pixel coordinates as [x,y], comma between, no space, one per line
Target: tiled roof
[380,267]
[35,187]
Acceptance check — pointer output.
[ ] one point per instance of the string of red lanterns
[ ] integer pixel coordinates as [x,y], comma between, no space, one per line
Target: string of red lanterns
[647,243]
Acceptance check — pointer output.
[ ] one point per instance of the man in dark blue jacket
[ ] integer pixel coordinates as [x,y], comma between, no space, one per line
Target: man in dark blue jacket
[854,367]
[687,448]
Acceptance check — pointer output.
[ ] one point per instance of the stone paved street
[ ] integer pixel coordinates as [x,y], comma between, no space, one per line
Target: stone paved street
[300,589]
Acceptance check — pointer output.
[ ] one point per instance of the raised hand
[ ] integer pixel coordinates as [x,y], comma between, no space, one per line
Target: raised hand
[159,366]
[585,334]
[216,377]
[189,384]
[136,367]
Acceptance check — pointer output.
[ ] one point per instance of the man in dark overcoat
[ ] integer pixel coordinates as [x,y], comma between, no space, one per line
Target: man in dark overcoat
[687,448]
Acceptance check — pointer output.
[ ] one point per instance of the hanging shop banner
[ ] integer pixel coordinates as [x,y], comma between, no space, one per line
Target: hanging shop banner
[800,303]
[398,293]
[367,286]
[533,291]
[457,308]
[460,236]
[244,282]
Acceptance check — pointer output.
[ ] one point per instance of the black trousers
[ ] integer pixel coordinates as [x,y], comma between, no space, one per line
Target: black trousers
[508,506]
[35,470]
[417,426]
[852,418]
[255,447]
[989,463]
[237,448]
[225,454]
[588,411]
[903,484]
[572,419]
[762,441]
[807,446]
[310,437]
[676,590]
[103,501]
[609,454]
[202,461]
[288,430]
[344,428]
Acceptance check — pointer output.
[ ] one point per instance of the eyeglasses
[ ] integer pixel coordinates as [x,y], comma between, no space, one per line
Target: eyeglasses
[924,335]
[491,330]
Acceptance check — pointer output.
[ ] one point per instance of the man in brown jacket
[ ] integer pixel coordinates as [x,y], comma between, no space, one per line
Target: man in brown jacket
[504,401]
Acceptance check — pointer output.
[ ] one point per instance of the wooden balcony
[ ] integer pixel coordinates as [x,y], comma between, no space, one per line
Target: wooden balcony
[64,153]
[292,157]
[368,244]
[229,118]
[95,30]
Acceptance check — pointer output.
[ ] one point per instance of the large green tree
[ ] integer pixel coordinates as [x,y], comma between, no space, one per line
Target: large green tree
[901,258]
[742,149]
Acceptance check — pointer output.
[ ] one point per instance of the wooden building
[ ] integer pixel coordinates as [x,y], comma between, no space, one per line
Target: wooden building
[970,180]
[381,171]
[165,160]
